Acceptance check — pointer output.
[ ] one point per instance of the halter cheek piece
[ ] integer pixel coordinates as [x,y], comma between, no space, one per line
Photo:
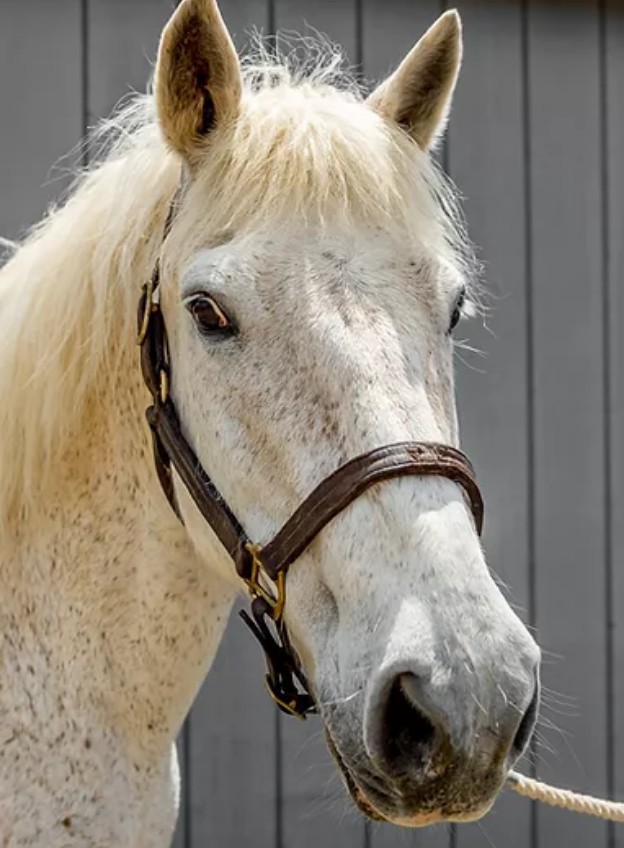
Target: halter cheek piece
[263,568]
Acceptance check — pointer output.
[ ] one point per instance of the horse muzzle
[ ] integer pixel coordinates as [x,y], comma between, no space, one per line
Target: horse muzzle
[423,761]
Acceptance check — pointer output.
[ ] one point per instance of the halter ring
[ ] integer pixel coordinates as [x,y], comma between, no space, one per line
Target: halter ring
[289,707]
[257,590]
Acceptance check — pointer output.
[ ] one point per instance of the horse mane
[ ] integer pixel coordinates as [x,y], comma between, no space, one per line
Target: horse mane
[303,145]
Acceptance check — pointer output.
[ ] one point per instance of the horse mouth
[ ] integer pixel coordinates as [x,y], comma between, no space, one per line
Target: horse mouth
[357,794]
[371,795]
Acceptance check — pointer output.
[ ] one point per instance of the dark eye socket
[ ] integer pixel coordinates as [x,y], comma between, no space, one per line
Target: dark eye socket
[210,319]
[457,310]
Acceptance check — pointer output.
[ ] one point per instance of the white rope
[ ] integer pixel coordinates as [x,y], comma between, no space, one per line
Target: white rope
[564,798]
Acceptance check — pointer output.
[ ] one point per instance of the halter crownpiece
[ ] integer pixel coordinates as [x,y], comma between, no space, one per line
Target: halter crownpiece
[263,568]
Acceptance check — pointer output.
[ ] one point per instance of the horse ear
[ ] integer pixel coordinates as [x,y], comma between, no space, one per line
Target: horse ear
[418,94]
[198,79]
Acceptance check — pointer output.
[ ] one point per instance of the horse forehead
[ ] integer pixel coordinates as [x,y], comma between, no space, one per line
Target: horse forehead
[297,260]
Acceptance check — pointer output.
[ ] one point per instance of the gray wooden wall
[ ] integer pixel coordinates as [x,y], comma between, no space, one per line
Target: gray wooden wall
[537,146]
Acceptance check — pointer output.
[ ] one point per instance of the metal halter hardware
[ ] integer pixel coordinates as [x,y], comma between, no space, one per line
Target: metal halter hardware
[263,568]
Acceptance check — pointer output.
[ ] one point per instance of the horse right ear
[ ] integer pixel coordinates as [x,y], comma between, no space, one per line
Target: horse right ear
[198,80]
[417,96]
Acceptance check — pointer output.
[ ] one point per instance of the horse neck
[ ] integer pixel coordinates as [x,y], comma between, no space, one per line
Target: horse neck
[120,596]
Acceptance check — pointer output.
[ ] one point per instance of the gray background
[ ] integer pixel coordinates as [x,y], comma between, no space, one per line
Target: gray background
[536,144]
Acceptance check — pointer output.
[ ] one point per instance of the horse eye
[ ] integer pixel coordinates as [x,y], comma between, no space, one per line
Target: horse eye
[457,311]
[211,320]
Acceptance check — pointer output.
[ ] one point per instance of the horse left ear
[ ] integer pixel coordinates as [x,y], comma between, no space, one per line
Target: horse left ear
[198,80]
[418,94]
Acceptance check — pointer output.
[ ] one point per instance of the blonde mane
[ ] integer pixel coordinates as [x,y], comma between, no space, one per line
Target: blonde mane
[304,145]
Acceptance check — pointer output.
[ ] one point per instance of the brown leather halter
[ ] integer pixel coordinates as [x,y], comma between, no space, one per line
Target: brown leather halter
[261,567]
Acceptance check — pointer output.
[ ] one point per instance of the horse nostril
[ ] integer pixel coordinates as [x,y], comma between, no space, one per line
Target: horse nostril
[525,729]
[409,735]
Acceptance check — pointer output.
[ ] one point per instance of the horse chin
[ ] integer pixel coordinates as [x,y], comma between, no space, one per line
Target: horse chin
[370,808]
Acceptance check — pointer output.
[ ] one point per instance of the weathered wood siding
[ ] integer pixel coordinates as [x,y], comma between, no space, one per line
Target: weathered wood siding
[536,144]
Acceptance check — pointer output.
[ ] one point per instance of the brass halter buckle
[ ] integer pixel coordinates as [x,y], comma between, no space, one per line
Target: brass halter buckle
[148,308]
[288,707]
[256,589]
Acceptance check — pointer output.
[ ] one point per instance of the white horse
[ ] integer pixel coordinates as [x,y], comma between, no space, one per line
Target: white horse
[310,282]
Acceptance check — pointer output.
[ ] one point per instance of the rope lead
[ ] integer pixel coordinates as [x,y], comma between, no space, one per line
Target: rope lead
[564,798]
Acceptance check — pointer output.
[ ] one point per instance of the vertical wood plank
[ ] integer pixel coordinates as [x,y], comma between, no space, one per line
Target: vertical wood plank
[389,31]
[338,21]
[567,321]
[390,836]
[233,755]
[41,96]
[246,17]
[314,808]
[123,43]
[613,57]
[485,156]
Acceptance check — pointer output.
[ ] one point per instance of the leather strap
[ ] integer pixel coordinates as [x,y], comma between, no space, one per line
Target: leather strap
[164,422]
[347,483]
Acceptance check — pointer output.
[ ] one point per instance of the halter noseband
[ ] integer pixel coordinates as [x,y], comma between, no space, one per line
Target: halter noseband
[263,568]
